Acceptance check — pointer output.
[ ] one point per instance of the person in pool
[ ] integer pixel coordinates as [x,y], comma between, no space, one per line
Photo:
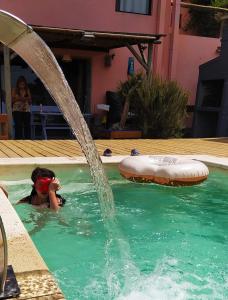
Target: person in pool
[44,190]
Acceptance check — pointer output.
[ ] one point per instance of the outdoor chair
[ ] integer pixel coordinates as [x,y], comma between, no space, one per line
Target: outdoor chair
[45,118]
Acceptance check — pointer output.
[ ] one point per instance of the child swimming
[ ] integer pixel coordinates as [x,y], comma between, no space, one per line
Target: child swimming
[44,190]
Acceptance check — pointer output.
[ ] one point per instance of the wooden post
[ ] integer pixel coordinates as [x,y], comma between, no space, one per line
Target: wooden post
[7,81]
[173,55]
[163,11]
[149,59]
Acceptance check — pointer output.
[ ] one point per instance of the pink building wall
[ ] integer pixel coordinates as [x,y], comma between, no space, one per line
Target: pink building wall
[186,52]
[192,52]
[161,52]
[108,78]
[103,78]
[97,15]
[178,57]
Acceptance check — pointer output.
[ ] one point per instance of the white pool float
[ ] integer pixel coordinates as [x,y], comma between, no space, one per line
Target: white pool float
[163,170]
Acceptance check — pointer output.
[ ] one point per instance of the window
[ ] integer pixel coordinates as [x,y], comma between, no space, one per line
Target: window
[134,6]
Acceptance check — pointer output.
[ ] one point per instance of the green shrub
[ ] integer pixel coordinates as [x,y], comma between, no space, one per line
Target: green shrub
[159,106]
[128,88]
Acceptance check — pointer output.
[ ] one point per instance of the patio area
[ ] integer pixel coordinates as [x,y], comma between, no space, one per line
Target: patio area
[71,148]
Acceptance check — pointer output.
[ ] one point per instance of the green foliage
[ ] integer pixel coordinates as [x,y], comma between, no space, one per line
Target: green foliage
[160,106]
[220,3]
[127,88]
[204,23]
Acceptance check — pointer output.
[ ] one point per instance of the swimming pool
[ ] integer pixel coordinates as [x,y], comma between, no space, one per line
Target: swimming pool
[177,238]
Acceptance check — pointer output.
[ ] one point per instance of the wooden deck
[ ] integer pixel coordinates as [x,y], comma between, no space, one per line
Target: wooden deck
[71,148]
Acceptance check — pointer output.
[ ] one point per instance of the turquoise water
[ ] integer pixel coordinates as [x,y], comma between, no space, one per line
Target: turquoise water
[173,242]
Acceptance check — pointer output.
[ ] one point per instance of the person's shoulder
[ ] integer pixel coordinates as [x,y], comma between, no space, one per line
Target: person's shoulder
[26,199]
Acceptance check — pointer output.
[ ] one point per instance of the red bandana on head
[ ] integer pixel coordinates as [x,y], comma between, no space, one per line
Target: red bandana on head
[42,184]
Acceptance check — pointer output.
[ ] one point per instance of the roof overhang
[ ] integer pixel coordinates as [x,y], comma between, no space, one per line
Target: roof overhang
[93,40]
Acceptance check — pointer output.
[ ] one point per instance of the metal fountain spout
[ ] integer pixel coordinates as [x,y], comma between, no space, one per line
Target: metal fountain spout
[12,28]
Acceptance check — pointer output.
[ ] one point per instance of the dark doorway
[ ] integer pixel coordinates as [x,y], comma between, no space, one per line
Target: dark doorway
[77,73]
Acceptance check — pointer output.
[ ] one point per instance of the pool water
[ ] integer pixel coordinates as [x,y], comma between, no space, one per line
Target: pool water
[171,242]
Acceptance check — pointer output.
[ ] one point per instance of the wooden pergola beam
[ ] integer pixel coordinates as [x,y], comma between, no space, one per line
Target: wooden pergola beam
[204,7]
[147,65]
[141,52]
[137,56]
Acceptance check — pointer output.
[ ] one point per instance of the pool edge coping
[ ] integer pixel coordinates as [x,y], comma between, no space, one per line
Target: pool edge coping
[221,162]
[31,270]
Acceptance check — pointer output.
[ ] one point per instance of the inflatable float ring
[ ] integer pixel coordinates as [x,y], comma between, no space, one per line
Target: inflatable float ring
[163,170]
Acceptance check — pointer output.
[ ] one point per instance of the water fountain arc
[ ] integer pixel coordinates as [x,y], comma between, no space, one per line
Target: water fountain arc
[17,35]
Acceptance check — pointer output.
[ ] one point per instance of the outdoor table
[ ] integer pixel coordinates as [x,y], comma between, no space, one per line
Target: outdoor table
[47,119]
[47,124]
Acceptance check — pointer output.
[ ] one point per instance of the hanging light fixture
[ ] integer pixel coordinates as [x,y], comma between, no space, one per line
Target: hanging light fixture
[108,59]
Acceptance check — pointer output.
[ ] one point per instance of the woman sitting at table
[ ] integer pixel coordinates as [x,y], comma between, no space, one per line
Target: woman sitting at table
[21,101]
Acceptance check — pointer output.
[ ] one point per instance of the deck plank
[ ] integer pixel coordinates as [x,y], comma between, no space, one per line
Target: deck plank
[74,149]
[23,149]
[3,154]
[34,146]
[46,149]
[9,149]
[71,148]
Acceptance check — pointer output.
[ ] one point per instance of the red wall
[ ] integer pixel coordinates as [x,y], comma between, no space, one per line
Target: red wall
[81,14]
[192,52]
[103,78]
[97,15]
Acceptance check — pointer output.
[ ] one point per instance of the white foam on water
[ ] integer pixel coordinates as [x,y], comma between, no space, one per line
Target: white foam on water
[15,182]
[157,287]
[166,284]
[79,188]
[119,182]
